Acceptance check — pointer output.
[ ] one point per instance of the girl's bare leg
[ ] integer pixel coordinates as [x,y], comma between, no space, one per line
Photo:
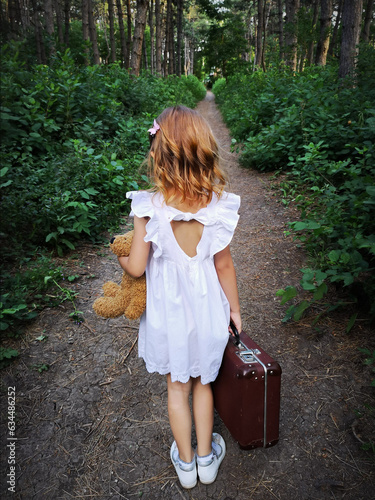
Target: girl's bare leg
[203,411]
[180,417]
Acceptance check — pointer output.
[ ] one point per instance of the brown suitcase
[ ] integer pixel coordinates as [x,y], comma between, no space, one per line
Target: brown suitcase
[247,393]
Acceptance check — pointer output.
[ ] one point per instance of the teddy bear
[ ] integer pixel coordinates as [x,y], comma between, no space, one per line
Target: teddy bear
[130,297]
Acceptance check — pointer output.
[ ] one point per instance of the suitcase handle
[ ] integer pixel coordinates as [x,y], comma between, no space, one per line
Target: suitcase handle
[235,332]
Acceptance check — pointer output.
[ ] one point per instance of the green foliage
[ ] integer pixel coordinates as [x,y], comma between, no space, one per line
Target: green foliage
[73,141]
[40,367]
[67,294]
[224,44]
[369,361]
[337,225]
[26,291]
[218,86]
[7,355]
[281,113]
[322,134]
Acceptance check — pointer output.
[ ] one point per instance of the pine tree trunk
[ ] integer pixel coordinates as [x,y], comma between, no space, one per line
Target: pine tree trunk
[66,22]
[25,15]
[59,23]
[336,28]
[351,23]
[50,29]
[171,49]
[40,49]
[85,28]
[12,14]
[92,33]
[129,34]
[158,36]
[249,38]
[191,56]
[180,12]
[325,27]
[365,36]
[145,58]
[292,8]
[122,31]
[112,57]
[266,18]
[152,44]
[166,40]
[258,61]
[140,24]
[187,57]
[310,52]
[301,64]
[281,28]
[168,55]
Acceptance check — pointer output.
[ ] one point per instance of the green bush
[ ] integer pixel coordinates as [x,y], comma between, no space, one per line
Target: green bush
[275,114]
[73,141]
[321,132]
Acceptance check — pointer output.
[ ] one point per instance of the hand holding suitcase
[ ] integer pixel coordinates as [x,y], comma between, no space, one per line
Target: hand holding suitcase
[247,392]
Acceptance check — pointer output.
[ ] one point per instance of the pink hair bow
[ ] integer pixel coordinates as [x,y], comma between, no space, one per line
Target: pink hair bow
[154,129]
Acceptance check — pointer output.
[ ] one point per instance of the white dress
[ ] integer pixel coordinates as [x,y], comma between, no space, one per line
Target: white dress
[184,329]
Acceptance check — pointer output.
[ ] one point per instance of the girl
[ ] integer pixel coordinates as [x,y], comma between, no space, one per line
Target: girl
[182,231]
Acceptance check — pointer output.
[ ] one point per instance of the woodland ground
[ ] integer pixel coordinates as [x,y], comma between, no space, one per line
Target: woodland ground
[95,425]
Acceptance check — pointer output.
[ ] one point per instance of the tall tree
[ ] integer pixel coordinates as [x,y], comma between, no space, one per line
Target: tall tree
[281,27]
[152,41]
[168,46]
[310,51]
[112,56]
[332,45]
[85,28]
[180,13]
[292,8]
[158,29]
[59,22]
[50,29]
[122,31]
[266,18]
[166,38]
[171,46]
[260,26]
[23,15]
[139,31]
[40,49]
[66,22]
[12,15]
[129,37]
[326,8]
[368,18]
[92,32]
[351,23]
[144,52]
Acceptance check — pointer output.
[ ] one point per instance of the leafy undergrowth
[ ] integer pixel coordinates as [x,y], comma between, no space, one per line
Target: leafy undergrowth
[73,141]
[319,133]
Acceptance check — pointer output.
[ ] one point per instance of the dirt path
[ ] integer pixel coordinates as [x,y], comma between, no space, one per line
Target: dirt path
[95,424]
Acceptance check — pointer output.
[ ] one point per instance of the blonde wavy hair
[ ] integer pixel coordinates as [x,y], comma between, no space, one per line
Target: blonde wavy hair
[184,157]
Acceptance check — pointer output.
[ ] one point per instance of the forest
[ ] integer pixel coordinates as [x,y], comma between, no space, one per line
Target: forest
[81,82]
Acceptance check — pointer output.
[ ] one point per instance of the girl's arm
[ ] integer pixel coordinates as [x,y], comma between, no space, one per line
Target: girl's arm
[135,264]
[227,277]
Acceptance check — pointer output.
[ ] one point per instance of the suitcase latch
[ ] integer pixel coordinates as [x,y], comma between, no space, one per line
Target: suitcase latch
[248,356]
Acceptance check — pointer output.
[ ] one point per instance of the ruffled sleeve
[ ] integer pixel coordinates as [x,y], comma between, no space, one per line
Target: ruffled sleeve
[143,206]
[227,218]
